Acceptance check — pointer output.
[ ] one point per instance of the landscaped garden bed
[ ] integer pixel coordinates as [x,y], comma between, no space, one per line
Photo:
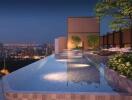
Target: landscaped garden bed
[119,71]
[122,63]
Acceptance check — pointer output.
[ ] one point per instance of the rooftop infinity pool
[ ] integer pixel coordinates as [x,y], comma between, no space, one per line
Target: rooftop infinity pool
[66,72]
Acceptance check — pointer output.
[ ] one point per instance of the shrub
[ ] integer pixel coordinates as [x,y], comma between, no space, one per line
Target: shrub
[93,41]
[122,63]
[76,41]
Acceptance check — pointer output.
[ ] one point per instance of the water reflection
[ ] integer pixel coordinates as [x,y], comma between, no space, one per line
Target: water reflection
[65,60]
[80,72]
[78,68]
[59,76]
[79,65]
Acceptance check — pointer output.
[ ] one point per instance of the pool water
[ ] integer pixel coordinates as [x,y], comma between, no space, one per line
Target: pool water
[69,71]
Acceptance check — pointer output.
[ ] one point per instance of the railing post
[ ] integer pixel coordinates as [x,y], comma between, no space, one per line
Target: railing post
[113,39]
[107,38]
[103,41]
[121,38]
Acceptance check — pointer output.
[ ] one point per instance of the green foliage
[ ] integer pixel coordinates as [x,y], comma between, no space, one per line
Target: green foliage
[120,10]
[125,7]
[76,41]
[118,23]
[93,40]
[104,8]
[122,63]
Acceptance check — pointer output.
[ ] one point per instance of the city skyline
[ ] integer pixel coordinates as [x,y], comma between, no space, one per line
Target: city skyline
[30,21]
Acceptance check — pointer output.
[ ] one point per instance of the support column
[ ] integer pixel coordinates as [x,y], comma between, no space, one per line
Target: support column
[113,39]
[107,38]
[121,39]
[103,41]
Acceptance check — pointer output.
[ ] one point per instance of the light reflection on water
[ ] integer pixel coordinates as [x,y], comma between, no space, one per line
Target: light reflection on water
[65,60]
[80,71]
[80,65]
[58,76]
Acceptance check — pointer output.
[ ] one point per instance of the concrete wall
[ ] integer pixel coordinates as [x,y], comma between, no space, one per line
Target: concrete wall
[60,44]
[84,41]
[83,25]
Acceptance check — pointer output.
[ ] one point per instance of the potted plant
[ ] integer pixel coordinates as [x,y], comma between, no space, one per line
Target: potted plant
[76,41]
[93,41]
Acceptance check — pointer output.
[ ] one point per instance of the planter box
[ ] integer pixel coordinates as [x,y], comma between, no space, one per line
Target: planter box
[118,81]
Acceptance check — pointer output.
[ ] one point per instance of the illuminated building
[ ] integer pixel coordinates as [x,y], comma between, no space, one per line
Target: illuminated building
[60,44]
[82,27]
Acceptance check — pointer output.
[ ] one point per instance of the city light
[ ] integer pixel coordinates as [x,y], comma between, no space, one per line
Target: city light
[4,71]
[36,57]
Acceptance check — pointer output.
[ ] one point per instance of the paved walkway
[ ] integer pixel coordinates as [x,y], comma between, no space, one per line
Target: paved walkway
[1,93]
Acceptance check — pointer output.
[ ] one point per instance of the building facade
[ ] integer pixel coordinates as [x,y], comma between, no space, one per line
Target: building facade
[60,44]
[82,27]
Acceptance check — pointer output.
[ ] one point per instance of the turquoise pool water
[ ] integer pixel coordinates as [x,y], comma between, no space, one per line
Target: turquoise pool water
[69,71]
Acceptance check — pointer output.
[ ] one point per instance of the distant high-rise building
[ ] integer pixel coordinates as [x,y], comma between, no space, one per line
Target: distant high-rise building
[1,50]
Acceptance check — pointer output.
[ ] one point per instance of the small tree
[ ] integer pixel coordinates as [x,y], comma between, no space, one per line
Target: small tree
[93,40]
[76,41]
